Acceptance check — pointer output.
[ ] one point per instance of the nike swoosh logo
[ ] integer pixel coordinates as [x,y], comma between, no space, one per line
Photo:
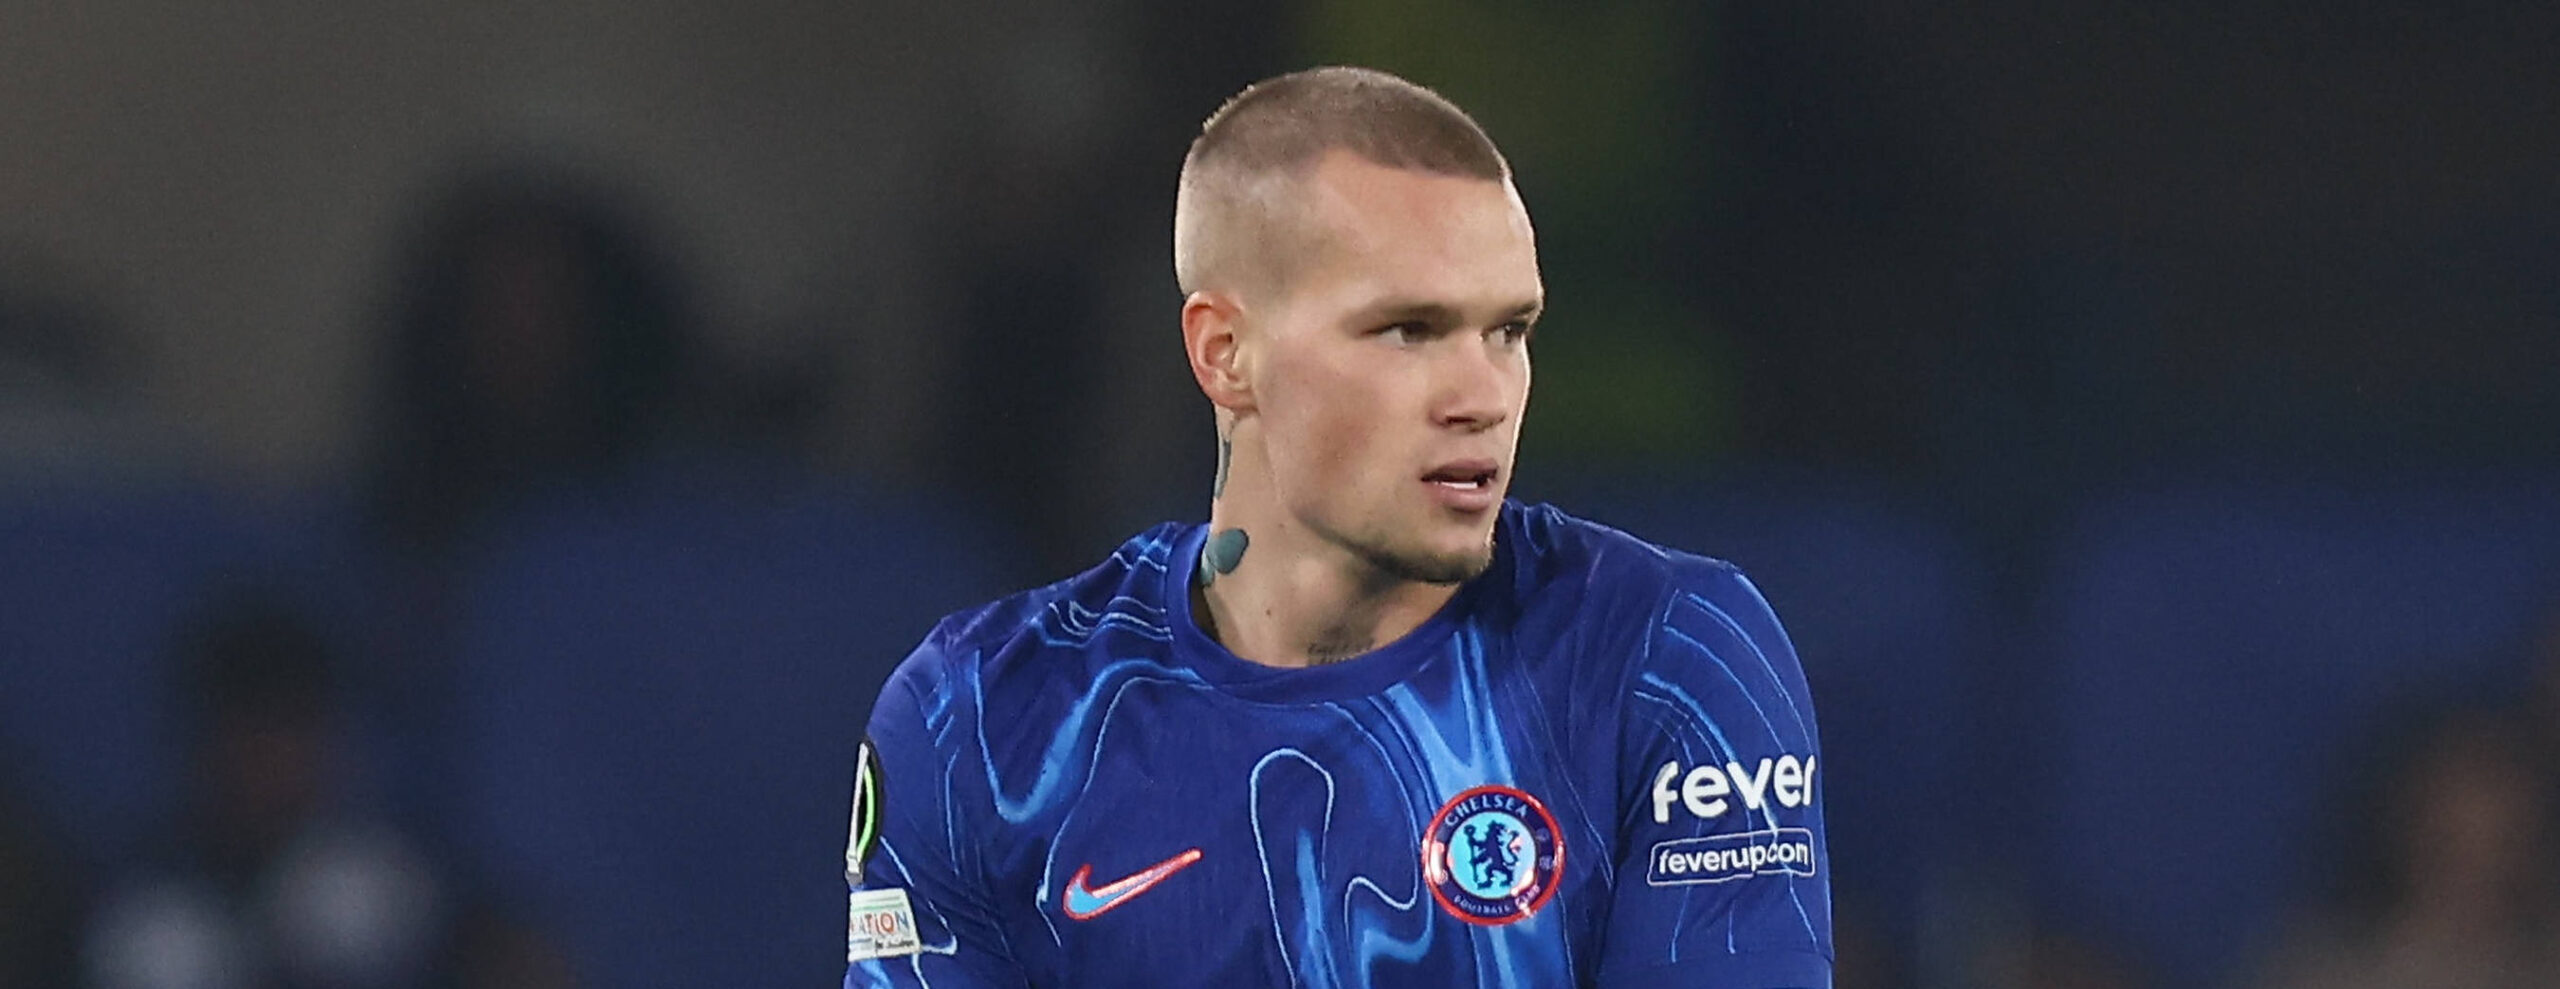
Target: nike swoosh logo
[1085,903]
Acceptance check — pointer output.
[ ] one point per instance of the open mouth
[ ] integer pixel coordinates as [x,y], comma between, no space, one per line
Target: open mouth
[1464,476]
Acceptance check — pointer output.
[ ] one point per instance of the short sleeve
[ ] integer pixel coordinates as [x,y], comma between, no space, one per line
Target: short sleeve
[1722,878]
[917,913]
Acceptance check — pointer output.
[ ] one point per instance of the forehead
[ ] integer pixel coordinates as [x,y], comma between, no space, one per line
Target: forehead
[1383,230]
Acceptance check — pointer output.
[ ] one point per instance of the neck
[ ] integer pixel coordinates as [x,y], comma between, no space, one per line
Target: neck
[1282,595]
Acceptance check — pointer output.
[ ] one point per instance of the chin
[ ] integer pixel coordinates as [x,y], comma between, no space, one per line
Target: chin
[1435,565]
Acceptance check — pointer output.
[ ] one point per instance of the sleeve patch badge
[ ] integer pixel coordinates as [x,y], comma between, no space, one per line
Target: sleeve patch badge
[863,835]
[880,923]
[1726,857]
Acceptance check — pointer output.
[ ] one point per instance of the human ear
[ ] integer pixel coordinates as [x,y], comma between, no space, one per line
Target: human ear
[1213,337]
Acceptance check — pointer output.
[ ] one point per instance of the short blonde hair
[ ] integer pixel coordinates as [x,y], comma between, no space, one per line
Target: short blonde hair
[1232,198]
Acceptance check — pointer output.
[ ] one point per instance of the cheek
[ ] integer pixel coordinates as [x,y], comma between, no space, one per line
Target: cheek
[1325,419]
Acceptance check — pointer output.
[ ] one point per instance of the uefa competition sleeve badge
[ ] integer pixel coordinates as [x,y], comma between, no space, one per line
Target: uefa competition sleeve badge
[863,834]
[1492,855]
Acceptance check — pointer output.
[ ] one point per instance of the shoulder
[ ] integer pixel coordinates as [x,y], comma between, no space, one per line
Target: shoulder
[1558,554]
[1661,620]
[1041,631]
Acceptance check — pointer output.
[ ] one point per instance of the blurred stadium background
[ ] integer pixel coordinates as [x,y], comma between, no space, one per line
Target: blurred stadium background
[464,467]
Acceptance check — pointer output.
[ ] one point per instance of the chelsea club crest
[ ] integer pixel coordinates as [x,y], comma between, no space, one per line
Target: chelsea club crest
[1492,855]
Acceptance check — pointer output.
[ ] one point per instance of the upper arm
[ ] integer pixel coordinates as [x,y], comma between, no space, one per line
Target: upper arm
[914,839]
[1722,873]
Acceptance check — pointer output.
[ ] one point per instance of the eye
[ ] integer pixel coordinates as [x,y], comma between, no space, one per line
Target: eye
[1516,331]
[1405,332]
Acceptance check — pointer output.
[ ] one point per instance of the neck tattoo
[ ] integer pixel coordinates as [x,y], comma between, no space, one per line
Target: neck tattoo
[1220,555]
[1324,652]
[1226,456]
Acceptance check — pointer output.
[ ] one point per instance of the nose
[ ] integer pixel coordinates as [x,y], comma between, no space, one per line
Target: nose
[1477,385]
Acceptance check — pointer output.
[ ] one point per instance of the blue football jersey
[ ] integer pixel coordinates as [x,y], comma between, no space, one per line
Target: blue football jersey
[1596,766]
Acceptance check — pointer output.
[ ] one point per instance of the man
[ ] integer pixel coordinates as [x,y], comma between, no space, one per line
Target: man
[1373,724]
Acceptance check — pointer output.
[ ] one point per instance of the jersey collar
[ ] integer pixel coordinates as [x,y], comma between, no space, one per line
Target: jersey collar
[1361,675]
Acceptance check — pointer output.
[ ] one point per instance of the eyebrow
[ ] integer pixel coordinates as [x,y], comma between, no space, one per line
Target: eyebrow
[1439,314]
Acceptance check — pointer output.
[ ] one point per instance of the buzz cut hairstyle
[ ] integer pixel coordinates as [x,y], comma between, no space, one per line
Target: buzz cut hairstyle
[1231,207]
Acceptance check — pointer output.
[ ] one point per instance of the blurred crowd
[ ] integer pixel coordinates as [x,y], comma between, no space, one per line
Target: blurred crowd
[2436,866]
[537,342]
[2447,878]
[269,872]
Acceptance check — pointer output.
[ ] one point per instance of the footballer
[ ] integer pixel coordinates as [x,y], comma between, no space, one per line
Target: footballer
[1372,724]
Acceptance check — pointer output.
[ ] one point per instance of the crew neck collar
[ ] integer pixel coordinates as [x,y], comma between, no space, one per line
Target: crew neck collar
[1364,674]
